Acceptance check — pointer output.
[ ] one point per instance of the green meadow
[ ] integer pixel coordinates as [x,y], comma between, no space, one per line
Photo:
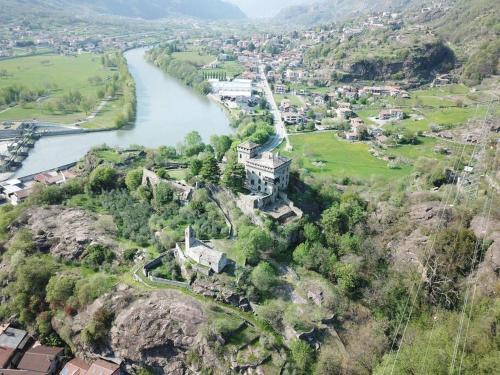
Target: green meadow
[58,75]
[323,154]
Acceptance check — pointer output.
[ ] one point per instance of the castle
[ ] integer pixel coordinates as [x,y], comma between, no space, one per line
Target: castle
[267,174]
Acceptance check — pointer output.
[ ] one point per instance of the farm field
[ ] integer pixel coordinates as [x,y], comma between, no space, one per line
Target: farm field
[59,75]
[323,154]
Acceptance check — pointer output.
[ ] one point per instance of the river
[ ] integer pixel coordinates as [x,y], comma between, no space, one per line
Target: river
[166,111]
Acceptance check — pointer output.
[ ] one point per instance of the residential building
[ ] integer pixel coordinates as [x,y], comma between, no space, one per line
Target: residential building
[391,114]
[200,252]
[103,367]
[42,359]
[75,367]
[291,118]
[280,89]
[344,113]
[267,174]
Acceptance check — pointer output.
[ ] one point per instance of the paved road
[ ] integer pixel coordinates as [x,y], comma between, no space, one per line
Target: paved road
[279,125]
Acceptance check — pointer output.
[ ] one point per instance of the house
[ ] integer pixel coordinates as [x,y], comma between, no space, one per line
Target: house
[344,113]
[267,174]
[291,118]
[280,89]
[42,359]
[13,338]
[6,355]
[318,100]
[391,114]
[200,252]
[50,178]
[103,367]
[14,191]
[75,367]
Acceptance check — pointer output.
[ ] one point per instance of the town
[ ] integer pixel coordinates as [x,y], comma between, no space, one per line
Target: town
[249,187]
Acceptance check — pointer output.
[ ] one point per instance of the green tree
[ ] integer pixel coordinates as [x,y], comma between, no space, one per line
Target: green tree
[133,179]
[102,179]
[163,194]
[234,176]
[210,171]
[220,144]
[59,289]
[263,277]
[195,166]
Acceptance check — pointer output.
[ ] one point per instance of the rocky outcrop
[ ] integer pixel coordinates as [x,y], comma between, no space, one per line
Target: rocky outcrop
[488,272]
[209,287]
[66,232]
[420,62]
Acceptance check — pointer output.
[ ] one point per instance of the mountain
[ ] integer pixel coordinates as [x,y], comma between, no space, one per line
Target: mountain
[267,8]
[151,9]
[326,11]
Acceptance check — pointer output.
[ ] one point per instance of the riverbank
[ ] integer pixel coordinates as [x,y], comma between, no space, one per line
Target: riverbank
[166,111]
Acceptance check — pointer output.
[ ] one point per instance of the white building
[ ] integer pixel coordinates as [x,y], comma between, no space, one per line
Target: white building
[267,174]
[233,89]
[200,252]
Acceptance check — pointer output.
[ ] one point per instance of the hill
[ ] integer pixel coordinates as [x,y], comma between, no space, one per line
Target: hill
[152,9]
[327,11]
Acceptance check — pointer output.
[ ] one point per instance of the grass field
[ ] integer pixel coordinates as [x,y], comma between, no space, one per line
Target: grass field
[294,100]
[230,68]
[323,154]
[195,57]
[63,73]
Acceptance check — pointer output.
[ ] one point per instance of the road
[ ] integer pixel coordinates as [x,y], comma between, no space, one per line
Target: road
[279,125]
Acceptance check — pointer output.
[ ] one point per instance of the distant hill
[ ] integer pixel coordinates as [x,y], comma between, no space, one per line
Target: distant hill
[145,9]
[266,8]
[326,11]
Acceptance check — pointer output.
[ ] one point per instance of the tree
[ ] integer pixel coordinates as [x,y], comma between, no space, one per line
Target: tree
[234,176]
[195,166]
[263,277]
[60,289]
[133,179]
[252,241]
[163,194]
[210,171]
[96,255]
[220,144]
[335,222]
[193,143]
[102,179]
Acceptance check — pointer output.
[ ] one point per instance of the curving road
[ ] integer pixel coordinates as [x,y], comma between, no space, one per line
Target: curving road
[280,128]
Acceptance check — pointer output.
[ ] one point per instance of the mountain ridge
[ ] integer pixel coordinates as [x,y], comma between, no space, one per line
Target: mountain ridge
[150,10]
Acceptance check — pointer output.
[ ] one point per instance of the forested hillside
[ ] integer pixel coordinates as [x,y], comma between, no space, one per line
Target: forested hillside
[153,9]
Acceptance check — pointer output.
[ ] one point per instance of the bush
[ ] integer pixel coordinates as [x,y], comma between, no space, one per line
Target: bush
[102,179]
[302,356]
[95,256]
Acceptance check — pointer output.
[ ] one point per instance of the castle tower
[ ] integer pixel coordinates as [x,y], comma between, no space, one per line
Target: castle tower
[189,237]
[247,150]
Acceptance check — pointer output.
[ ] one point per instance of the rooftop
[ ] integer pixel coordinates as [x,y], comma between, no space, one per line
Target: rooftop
[75,367]
[102,367]
[248,145]
[39,359]
[5,356]
[269,160]
[12,337]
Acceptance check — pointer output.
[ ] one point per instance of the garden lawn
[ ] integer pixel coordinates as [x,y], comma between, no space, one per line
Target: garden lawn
[339,158]
[294,100]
